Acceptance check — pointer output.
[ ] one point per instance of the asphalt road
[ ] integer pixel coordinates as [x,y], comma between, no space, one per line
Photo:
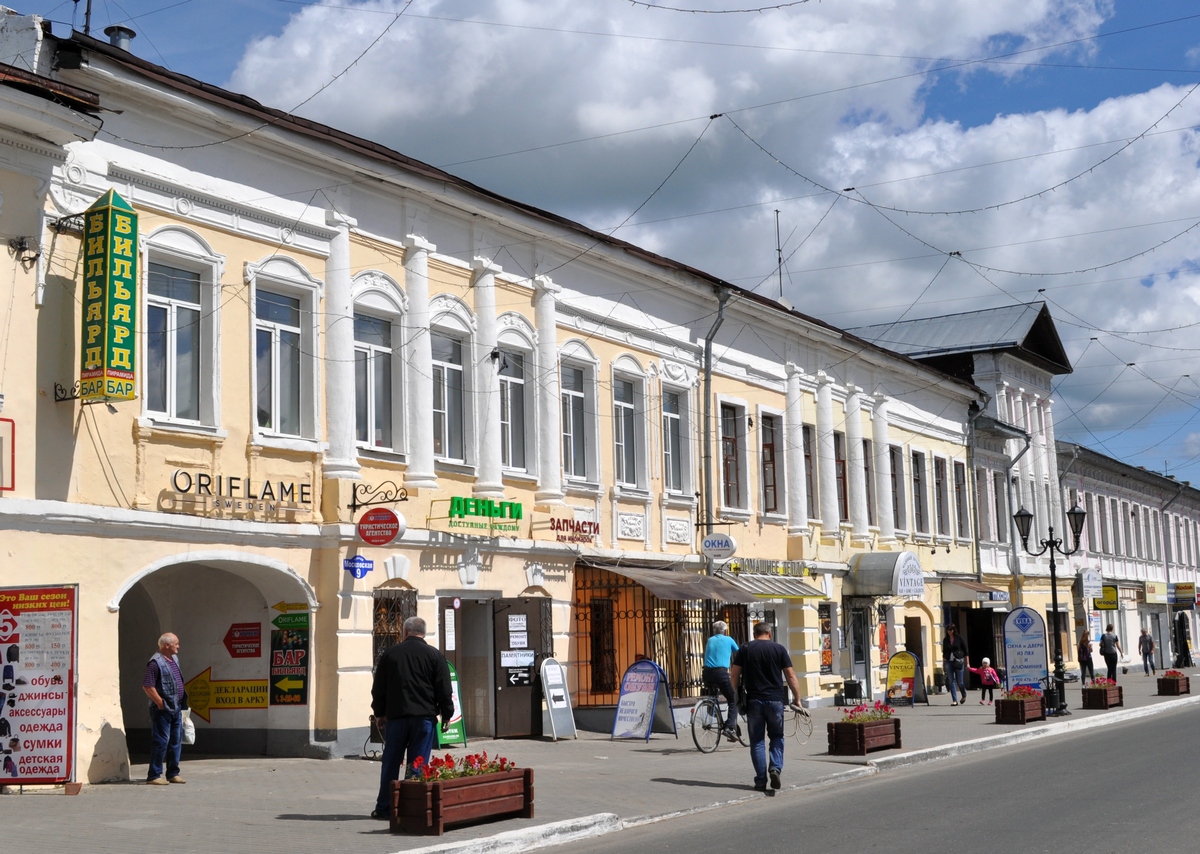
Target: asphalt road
[1117,790]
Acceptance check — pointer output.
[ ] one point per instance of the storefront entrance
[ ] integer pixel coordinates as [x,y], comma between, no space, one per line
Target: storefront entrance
[496,647]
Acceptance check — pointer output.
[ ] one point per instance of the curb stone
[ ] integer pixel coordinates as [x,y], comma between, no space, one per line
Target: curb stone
[529,838]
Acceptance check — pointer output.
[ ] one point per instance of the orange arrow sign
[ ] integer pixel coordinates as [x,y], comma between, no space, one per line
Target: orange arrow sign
[290,606]
[206,694]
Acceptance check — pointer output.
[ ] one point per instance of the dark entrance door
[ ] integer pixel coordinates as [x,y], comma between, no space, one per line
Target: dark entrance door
[466,641]
[981,641]
[522,638]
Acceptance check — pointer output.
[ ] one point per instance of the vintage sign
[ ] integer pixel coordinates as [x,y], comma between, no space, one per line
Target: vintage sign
[558,700]
[908,580]
[379,526]
[244,640]
[1025,648]
[477,516]
[37,656]
[456,733]
[108,351]
[1107,600]
[289,667]
[644,705]
[207,695]
[901,674]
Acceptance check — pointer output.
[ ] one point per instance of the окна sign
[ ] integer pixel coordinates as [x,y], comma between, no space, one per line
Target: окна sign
[110,280]
[718,546]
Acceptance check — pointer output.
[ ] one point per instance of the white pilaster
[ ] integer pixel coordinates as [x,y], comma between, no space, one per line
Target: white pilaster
[418,353]
[797,499]
[857,473]
[341,456]
[549,412]
[826,462]
[881,440]
[490,483]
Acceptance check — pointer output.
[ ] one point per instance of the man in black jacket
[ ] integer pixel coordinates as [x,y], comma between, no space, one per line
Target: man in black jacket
[411,688]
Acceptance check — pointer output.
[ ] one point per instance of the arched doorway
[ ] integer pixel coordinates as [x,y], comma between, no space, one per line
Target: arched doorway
[244,626]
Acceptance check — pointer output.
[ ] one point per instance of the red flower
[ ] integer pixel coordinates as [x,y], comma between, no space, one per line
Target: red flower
[418,762]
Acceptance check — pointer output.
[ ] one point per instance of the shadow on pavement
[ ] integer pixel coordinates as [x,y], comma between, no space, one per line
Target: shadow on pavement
[704,784]
[334,817]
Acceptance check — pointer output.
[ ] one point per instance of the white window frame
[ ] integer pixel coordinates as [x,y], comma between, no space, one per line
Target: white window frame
[743,450]
[451,317]
[280,274]
[921,499]
[378,295]
[517,335]
[780,512]
[183,249]
[683,419]
[576,354]
[900,496]
[626,369]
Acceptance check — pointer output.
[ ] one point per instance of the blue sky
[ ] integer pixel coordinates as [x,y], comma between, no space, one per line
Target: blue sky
[1091,98]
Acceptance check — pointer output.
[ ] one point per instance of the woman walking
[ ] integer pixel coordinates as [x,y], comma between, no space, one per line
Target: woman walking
[1086,671]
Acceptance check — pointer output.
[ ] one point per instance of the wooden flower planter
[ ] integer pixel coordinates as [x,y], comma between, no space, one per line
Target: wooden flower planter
[1104,697]
[1174,687]
[855,739]
[1020,711]
[420,807]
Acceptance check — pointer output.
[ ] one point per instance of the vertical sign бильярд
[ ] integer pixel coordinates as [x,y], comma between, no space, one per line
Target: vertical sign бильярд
[108,351]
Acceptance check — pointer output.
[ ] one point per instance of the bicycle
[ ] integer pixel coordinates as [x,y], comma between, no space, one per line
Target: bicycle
[798,725]
[708,725]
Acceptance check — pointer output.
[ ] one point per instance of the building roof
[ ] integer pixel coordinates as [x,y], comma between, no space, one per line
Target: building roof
[49,89]
[274,118]
[1025,329]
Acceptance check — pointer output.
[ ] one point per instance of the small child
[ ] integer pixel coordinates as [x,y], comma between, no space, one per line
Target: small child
[989,678]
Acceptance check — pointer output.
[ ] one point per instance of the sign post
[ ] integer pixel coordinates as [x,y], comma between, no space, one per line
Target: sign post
[558,700]
[906,679]
[456,733]
[1025,660]
[108,351]
[644,705]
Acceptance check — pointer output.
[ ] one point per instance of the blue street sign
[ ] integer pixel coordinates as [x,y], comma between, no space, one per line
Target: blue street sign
[358,566]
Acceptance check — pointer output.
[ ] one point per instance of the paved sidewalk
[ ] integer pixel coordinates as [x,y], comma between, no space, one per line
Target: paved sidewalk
[295,806]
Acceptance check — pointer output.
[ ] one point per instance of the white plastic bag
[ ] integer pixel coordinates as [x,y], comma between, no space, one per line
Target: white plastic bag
[189,728]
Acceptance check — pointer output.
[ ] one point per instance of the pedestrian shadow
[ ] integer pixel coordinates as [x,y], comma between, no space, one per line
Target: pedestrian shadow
[703,784]
[666,751]
[333,817]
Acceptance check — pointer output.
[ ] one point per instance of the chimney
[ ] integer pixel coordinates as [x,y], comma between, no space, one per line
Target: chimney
[119,36]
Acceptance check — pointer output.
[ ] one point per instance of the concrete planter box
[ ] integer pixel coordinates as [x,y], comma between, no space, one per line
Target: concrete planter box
[420,807]
[1020,711]
[1104,697]
[855,739]
[1174,687]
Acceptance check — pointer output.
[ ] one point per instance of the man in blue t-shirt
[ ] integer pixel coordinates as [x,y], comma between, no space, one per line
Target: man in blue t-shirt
[765,667]
[718,653]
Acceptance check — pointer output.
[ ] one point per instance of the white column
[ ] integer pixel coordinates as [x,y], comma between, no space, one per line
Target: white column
[549,411]
[341,456]
[418,354]
[1041,510]
[826,462]
[1003,410]
[881,439]
[797,498]
[1056,496]
[857,473]
[490,482]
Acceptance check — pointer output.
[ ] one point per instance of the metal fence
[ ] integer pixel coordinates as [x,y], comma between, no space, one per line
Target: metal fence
[618,621]
[392,607]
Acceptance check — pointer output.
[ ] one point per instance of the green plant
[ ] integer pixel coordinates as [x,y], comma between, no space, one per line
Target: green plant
[862,713]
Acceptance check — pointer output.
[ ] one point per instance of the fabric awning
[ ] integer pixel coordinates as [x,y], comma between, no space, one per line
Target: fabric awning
[677,585]
[885,574]
[968,590]
[772,586]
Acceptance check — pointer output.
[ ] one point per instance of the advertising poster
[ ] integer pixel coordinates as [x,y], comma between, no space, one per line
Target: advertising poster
[289,667]
[1025,648]
[638,708]
[825,615]
[901,675]
[558,699]
[37,684]
[456,733]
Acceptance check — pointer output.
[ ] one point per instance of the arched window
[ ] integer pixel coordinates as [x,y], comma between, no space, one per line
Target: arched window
[379,305]
[451,330]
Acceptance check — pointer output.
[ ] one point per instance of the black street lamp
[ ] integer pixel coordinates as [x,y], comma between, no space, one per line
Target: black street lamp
[1076,517]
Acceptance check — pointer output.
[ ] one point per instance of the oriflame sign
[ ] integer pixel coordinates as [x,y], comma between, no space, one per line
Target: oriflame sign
[37,657]
[110,275]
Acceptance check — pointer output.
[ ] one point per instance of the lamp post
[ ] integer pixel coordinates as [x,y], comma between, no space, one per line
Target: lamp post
[1076,517]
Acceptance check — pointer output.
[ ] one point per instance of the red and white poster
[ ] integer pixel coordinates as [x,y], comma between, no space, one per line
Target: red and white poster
[37,684]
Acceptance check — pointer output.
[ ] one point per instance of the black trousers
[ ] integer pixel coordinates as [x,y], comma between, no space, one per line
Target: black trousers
[716,681]
[1086,670]
[1110,658]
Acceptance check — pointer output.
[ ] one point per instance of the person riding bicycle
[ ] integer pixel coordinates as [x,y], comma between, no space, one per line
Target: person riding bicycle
[718,653]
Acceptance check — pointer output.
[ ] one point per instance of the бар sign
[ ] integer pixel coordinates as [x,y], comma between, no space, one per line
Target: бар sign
[110,274]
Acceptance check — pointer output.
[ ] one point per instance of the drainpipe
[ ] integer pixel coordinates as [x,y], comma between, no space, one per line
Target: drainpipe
[722,297]
[1014,560]
[987,398]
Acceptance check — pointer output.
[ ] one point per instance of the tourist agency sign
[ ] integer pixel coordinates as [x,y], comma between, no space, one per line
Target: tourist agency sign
[110,274]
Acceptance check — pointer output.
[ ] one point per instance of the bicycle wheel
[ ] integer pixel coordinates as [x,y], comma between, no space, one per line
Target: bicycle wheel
[706,725]
[803,724]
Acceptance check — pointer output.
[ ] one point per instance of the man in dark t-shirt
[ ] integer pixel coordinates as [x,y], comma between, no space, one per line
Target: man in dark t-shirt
[766,670]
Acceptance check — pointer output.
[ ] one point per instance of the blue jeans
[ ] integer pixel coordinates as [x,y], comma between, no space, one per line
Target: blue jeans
[412,736]
[764,718]
[1148,662]
[955,675]
[166,739]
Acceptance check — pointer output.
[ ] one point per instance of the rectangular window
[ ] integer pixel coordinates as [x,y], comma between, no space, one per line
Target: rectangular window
[277,362]
[940,498]
[373,381]
[1102,513]
[1090,507]
[920,501]
[173,342]
[448,424]
[869,474]
[896,457]
[962,513]
[981,506]
[574,435]
[1000,506]
[672,442]
[839,467]
[1135,521]
[625,432]
[730,454]
[512,410]
[770,438]
[1126,536]
[810,476]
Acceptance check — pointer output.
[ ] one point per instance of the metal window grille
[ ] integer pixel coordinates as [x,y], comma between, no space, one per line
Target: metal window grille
[392,608]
